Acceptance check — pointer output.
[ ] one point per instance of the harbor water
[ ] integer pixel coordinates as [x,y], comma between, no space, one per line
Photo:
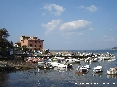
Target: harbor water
[62,78]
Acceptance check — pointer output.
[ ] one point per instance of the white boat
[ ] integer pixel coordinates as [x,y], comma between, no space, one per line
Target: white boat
[94,59]
[77,60]
[72,60]
[111,59]
[62,66]
[57,58]
[44,66]
[97,69]
[88,59]
[87,66]
[82,59]
[106,58]
[54,64]
[41,61]
[112,56]
[112,71]
[81,69]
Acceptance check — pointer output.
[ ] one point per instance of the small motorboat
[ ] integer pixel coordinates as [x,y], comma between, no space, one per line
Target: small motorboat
[45,66]
[97,69]
[70,60]
[82,69]
[87,66]
[69,66]
[94,59]
[112,71]
[111,59]
[54,64]
[62,65]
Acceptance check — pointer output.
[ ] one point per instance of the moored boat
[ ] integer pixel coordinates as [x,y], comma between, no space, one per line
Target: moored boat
[81,69]
[72,60]
[45,66]
[94,59]
[112,71]
[87,66]
[69,66]
[97,69]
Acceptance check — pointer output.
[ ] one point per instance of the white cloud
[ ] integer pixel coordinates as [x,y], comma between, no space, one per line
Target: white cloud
[91,8]
[75,25]
[50,26]
[68,28]
[55,9]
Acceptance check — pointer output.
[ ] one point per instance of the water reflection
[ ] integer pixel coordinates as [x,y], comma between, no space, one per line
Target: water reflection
[112,76]
[3,78]
[97,74]
[4,75]
[81,73]
[60,69]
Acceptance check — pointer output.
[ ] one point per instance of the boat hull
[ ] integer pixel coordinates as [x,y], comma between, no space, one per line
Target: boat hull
[110,72]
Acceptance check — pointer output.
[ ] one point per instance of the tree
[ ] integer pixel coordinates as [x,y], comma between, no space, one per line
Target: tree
[4,33]
[36,49]
[24,48]
[4,43]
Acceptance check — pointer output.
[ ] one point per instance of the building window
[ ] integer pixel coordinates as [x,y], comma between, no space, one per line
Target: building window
[30,45]
[35,45]
[40,46]
[35,41]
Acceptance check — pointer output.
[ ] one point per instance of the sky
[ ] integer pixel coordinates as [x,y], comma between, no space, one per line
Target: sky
[62,24]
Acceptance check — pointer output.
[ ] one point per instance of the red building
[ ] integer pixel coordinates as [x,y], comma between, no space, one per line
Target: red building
[31,42]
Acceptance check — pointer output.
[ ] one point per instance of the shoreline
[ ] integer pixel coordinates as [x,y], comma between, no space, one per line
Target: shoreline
[15,65]
[19,63]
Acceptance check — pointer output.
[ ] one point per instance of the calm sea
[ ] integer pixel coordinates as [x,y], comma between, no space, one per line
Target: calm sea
[62,78]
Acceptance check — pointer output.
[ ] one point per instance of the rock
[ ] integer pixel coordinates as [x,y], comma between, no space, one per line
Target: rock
[10,65]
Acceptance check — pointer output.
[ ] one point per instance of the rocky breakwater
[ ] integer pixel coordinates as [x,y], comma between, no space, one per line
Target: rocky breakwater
[11,65]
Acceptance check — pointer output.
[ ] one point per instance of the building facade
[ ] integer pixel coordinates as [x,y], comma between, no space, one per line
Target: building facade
[31,43]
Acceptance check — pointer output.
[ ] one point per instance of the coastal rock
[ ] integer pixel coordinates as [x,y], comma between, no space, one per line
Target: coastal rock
[13,66]
[5,66]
